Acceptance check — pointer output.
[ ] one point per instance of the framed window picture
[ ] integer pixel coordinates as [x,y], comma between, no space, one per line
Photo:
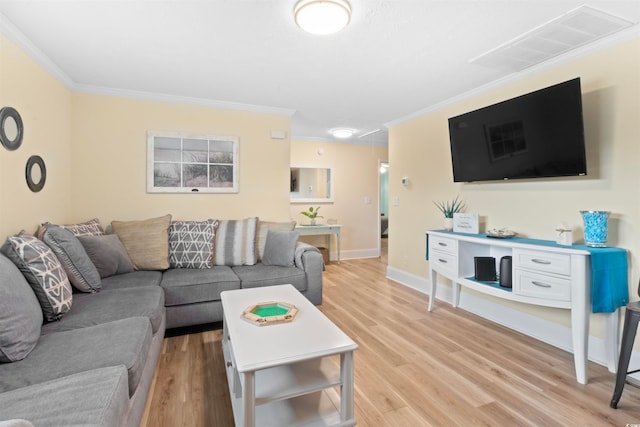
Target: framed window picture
[180,163]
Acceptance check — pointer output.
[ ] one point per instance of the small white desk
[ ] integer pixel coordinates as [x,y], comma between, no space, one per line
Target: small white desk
[320,229]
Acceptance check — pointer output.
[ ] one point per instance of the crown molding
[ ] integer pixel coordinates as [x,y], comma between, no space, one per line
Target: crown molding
[607,42]
[175,99]
[15,35]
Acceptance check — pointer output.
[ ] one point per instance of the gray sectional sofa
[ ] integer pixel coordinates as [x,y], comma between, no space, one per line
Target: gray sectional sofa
[93,363]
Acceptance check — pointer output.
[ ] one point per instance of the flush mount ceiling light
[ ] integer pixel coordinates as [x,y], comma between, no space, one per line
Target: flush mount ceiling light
[322,16]
[342,133]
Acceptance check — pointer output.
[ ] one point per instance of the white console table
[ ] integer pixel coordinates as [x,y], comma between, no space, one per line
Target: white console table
[322,229]
[543,274]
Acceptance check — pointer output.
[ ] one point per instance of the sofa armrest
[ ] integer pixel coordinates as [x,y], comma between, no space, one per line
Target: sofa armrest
[309,258]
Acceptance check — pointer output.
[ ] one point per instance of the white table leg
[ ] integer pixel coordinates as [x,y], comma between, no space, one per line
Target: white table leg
[611,323]
[580,312]
[432,292]
[338,241]
[249,399]
[346,391]
[455,300]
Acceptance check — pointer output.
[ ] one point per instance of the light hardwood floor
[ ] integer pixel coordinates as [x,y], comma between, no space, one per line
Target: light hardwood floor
[412,368]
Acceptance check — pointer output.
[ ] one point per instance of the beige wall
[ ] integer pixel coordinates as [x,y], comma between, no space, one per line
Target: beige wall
[45,107]
[419,149]
[110,151]
[354,169]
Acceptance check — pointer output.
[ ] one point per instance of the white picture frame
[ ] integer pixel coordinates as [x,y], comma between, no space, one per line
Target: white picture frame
[186,163]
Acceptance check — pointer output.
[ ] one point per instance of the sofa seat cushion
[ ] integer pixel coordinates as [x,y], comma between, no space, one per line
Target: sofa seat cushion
[268,275]
[191,285]
[98,397]
[107,306]
[134,279]
[121,342]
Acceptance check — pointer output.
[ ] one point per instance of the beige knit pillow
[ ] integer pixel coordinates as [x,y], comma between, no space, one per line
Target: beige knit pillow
[146,242]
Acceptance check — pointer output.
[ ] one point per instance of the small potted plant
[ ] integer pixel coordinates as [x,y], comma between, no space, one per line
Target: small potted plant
[312,214]
[448,208]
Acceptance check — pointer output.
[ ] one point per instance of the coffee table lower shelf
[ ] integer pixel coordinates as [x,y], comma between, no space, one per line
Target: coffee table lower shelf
[300,394]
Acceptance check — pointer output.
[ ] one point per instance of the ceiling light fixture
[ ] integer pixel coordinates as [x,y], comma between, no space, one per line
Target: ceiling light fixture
[342,133]
[322,17]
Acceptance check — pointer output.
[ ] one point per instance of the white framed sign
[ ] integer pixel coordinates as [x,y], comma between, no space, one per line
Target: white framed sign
[466,223]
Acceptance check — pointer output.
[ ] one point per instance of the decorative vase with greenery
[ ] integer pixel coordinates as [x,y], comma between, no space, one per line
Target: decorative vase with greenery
[312,214]
[448,208]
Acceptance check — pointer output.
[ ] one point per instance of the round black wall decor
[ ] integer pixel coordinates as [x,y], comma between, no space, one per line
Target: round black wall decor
[33,161]
[11,128]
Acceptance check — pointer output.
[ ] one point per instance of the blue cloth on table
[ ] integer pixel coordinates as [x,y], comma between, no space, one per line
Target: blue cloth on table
[609,282]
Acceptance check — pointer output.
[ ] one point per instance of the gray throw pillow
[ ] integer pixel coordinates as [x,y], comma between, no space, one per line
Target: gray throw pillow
[191,243]
[280,248]
[235,242]
[80,269]
[21,316]
[108,254]
[43,271]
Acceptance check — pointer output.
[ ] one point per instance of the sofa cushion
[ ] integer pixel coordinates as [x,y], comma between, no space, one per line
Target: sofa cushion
[20,314]
[110,305]
[191,243]
[263,229]
[43,271]
[108,254]
[235,242]
[191,285]
[280,248]
[134,279]
[121,342]
[80,269]
[268,275]
[96,398]
[147,241]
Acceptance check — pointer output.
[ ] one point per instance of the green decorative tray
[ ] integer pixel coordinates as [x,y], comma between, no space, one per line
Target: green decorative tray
[270,313]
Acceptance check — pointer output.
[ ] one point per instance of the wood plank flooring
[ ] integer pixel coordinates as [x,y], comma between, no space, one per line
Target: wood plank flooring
[412,368]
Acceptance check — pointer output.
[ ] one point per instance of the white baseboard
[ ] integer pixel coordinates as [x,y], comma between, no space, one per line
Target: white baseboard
[536,327]
[356,254]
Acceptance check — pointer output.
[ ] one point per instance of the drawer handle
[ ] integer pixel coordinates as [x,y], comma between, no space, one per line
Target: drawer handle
[540,261]
[444,261]
[542,285]
[442,244]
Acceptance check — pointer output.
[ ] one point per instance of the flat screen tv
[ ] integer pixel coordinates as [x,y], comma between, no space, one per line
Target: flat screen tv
[536,135]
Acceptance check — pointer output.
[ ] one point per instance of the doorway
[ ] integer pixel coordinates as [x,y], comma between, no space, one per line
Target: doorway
[384,207]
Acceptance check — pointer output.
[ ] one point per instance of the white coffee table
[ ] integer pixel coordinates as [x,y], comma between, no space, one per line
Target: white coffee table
[282,374]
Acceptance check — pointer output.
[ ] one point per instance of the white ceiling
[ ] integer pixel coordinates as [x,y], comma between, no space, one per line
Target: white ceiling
[395,58]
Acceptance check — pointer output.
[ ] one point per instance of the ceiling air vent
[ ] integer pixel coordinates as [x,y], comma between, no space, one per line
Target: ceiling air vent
[560,35]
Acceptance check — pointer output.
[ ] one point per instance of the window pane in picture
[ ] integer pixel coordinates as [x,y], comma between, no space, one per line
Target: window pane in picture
[220,176]
[166,149]
[166,175]
[195,175]
[194,150]
[221,152]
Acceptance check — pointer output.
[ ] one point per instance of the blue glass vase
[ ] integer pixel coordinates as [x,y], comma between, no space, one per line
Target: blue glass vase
[595,227]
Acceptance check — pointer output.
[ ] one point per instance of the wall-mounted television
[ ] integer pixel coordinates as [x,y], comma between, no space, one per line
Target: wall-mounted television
[536,135]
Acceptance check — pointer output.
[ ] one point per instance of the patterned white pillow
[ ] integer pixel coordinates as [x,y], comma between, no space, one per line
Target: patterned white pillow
[43,271]
[235,242]
[191,243]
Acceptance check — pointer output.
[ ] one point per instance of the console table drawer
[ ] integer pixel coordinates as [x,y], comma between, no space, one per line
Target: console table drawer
[546,262]
[443,244]
[542,286]
[444,262]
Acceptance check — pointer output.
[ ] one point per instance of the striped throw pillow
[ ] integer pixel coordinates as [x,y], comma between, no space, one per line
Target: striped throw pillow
[235,242]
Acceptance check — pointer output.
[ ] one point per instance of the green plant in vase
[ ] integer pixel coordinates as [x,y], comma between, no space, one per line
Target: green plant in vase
[448,208]
[312,214]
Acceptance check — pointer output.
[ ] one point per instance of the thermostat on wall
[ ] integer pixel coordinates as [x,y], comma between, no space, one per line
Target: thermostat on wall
[405,181]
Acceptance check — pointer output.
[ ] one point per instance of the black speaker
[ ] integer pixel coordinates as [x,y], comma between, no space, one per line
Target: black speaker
[485,267]
[505,272]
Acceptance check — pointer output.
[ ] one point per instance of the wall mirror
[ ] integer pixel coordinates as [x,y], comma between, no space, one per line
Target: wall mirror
[311,185]
[11,128]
